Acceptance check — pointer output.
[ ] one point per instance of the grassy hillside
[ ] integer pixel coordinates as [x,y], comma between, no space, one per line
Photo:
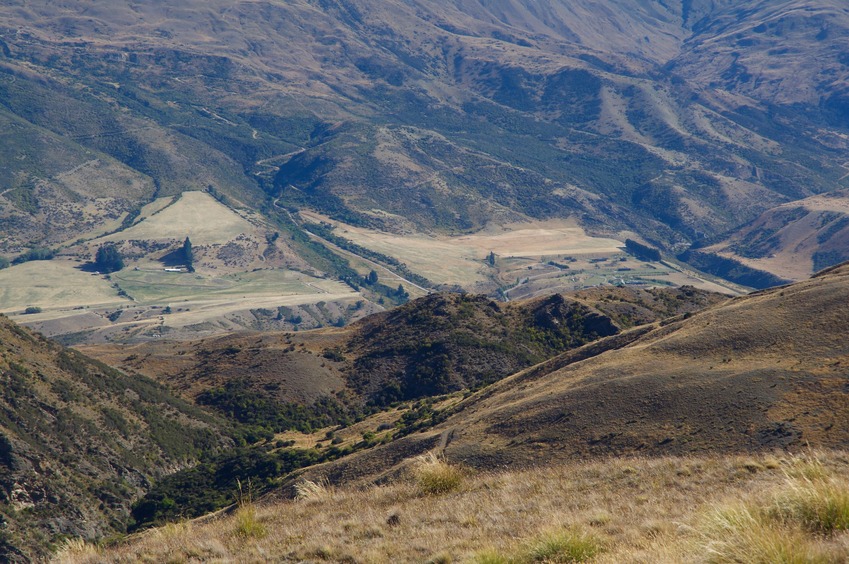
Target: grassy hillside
[434,345]
[762,508]
[728,392]
[760,372]
[394,365]
[79,441]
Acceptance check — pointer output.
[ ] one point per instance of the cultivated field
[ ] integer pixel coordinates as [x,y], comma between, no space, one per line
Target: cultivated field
[53,285]
[73,301]
[195,213]
[239,270]
[460,260]
[149,286]
[524,253]
[527,278]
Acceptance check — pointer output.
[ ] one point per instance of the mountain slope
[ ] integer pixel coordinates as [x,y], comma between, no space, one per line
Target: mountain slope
[793,240]
[761,372]
[450,115]
[79,441]
[434,345]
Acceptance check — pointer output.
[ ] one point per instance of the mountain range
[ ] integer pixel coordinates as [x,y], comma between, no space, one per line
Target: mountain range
[678,121]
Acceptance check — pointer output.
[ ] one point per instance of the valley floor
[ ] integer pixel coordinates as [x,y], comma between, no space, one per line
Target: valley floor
[726,508]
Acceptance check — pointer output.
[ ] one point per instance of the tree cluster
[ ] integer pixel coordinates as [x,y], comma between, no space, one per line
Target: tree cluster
[188,255]
[108,258]
[642,252]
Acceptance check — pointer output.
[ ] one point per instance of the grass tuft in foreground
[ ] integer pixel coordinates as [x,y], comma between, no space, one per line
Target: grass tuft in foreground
[562,547]
[743,535]
[308,490]
[796,523]
[247,523]
[814,500]
[434,476]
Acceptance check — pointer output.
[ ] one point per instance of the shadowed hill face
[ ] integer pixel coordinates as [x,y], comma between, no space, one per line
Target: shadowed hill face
[80,441]
[794,240]
[445,343]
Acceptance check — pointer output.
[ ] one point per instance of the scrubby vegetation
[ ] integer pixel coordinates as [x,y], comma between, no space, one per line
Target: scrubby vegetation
[445,343]
[325,231]
[108,258]
[642,252]
[238,400]
[38,253]
[215,483]
[90,423]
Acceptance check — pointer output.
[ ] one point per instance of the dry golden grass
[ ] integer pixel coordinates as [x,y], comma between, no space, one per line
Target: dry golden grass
[248,526]
[196,214]
[459,260]
[307,490]
[617,511]
[434,476]
[803,520]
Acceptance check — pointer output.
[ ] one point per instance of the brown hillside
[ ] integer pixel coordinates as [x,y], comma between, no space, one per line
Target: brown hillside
[793,240]
[437,344]
[758,373]
[435,116]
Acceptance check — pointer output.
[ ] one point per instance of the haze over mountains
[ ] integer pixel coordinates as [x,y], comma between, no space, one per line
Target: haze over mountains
[674,120]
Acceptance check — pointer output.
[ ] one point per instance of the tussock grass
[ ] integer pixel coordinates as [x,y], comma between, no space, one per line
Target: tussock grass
[434,476]
[794,523]
[742,534]
[308,490]
[77,551]
[622,511]
[554,547]
[819,505]
[247,524]
[562,547]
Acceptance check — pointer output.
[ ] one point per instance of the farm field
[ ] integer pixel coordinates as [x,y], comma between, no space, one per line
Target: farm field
[460,260]
[73,301]
[53,285]
[526,278]
[524,256]
[198,213]
[154,286]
